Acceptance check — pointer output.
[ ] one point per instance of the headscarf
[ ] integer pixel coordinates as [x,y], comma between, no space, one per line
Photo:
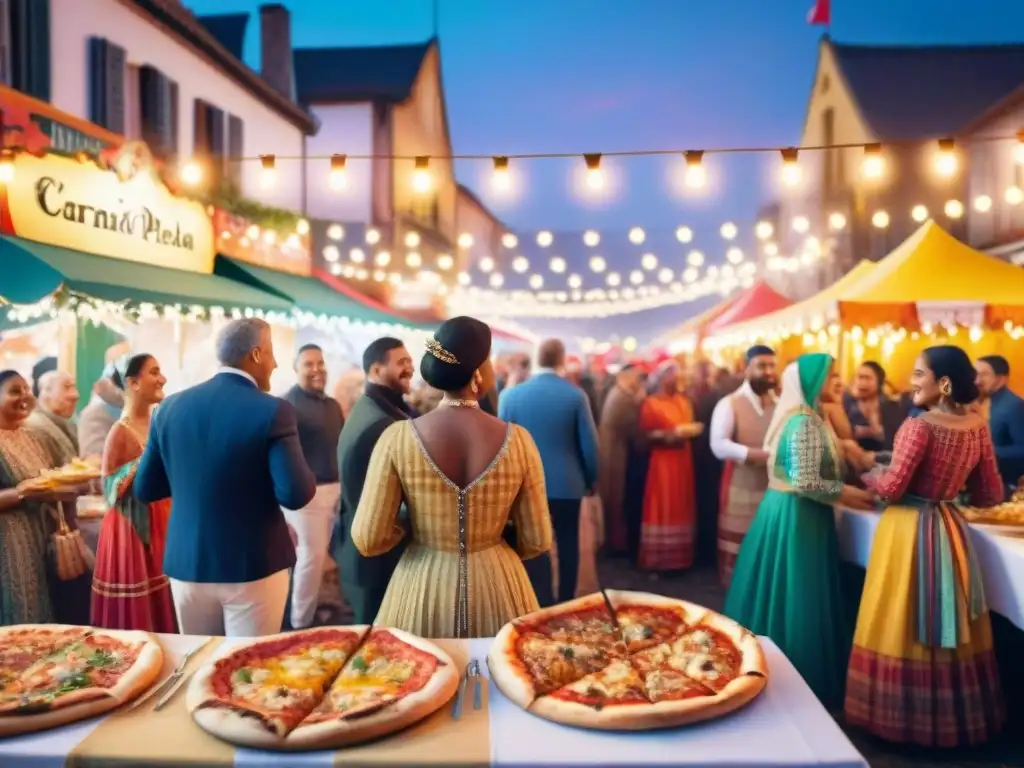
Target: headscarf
[802,382]
[658,374]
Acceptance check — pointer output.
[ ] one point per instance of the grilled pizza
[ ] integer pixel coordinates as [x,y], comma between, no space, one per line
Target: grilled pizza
[321,688]
[53,674]
[627,661]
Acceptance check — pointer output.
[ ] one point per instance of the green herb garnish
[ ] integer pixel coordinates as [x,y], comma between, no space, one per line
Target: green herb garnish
[244,675]
[73,683]
[567,652]
[359,664]
[102,659]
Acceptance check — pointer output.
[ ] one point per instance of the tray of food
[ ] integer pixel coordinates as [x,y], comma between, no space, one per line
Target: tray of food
[75,472]
[1007,517]
[627,661]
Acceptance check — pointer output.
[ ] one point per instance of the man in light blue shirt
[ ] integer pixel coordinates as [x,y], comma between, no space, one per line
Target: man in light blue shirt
[557,415]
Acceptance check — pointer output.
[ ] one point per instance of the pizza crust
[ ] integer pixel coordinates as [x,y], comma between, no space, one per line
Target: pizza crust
[90,702]
[391,717]
[247,728]
[587,602]
[754,662]
[507,671]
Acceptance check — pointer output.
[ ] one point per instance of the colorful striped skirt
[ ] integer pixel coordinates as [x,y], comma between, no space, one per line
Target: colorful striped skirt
[923,667]
[742,489]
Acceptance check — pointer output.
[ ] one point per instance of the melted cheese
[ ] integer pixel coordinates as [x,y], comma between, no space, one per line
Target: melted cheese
[286,681]
[616,679]
[367,680]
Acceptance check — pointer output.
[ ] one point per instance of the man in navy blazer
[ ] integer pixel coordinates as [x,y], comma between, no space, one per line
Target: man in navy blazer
[1005,416]
[228,456]
[557,414]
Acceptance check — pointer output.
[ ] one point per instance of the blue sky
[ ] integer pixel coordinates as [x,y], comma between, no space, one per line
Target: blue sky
[610,75]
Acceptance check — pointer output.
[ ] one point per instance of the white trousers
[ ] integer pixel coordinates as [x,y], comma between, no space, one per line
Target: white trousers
[249,609]
[313,524]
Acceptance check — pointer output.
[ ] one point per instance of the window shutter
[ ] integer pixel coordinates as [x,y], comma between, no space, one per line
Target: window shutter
[172,123]
[29,33]
[5,42]
[236,150]
[116,62]
[97,79]
[217,133]
[200,123]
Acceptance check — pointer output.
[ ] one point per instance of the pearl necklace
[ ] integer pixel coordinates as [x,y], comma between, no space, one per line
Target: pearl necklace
[457,403]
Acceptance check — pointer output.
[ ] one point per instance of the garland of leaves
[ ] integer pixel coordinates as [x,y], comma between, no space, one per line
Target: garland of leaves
[264,216]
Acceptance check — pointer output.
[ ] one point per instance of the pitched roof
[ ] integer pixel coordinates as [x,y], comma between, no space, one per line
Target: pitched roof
[183,23]
[916,92]
[229,29]
[382,73]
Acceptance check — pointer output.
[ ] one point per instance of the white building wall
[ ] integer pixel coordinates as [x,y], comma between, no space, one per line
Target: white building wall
[345,129]
[73,22]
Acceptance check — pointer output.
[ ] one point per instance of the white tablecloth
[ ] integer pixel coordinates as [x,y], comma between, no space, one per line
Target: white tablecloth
[1001,557]
[784,727]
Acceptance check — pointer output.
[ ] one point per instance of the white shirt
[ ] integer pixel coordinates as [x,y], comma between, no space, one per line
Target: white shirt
[237,372]
[723,425]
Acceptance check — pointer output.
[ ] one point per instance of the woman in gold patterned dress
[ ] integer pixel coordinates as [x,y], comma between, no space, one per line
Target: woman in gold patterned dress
[462,474]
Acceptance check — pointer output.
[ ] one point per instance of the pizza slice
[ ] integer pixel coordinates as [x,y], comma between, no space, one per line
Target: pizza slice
[647,620]
[393,680]
[583,620]
[717,653]
[526,664]
[662,680]
[258,693]
[24,645]
[602,699]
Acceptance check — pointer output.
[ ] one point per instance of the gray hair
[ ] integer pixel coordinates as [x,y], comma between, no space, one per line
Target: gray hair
[237,339]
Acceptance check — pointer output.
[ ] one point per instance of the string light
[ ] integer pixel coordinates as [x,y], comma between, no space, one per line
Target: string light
[412,239]
[880,219]
[696,174]
[268,172]
[597,264]
[836,221]
[338,179]
[983,203]
[520,264]
[873,165]
[919,213]
[695,259]
[595,176]
[649,261]
[801,224]
[191,173]
[764,230]
[637,236]
[372,236]
[728,231]
[791,173]
[509,240]
[486,264]
[465,240]
[946,161]
[544,239]
[6,166]
[536,282]
[557,265]
[501,179]
[591,238]
[954,209]
[1014,195]
[421,181]
[445,261]
[684,234]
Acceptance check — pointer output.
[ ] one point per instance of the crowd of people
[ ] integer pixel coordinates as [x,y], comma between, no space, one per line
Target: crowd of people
[441,512]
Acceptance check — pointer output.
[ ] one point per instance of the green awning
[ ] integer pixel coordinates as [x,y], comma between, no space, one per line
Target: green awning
[30,271]
[308,294]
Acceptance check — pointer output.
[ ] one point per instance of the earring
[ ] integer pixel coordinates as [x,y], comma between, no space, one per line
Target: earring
[946,388]
[474,388]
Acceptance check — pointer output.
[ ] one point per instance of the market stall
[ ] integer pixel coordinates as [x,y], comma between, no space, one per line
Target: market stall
[785,726]
[687,337]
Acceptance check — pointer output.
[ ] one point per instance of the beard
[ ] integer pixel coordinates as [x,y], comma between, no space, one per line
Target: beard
[762,386]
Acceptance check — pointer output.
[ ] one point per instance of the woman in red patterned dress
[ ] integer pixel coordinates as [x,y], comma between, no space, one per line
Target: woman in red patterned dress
[669,523]
[129,588]
[923,669]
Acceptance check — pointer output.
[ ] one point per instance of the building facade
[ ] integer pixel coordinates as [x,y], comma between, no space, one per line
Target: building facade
[150,70]
[902,99]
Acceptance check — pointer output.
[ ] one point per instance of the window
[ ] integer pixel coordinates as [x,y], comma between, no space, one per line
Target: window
[25,46]
[828,136]
[209,139]
[107,75]
[132,103]
[158,96]
[236,151]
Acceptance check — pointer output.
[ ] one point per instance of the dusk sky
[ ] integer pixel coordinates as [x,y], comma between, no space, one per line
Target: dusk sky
[610,75]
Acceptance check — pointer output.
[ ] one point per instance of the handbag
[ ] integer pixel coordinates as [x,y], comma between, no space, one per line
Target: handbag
[71,555]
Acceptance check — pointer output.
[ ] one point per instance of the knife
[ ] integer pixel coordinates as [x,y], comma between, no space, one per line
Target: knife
[175,681]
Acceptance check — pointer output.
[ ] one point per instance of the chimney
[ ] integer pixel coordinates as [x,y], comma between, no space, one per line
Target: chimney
[276,48]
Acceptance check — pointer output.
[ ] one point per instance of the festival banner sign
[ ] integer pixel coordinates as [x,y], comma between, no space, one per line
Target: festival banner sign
[124,212]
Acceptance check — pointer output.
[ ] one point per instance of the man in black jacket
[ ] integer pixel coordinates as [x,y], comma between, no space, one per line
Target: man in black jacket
[389,371]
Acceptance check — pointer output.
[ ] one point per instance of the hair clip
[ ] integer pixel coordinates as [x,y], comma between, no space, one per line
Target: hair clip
[434,347]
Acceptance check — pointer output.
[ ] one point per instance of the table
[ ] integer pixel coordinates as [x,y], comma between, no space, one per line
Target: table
[785,726]
[1001,558]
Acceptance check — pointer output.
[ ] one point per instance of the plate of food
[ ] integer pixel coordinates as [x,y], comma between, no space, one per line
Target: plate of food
[321,688]
[75,472]
[1007,517]
[694,429]
[53,674]
[627,661]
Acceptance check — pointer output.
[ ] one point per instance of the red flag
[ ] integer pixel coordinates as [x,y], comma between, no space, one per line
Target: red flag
[821,13]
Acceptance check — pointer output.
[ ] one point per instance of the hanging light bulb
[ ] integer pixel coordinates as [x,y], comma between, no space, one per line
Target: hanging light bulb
[591,238]
[801,224]
[946,161]
[1014,195]
[696,173]
[412,239]
[728,231]
[536,282]
[734,255]
[684,234]
[613,279]
[919,213]
[695,259]
[880,219]
[413,259]
[983,203]
[873,164]
[597,264]
[465,240]
[791,173]
[836,221]
[557,264]
[954,209]
[338,178]
[595,176]
[486,264]
[574,281]
[421,181]
[544,239]
[520,264]
[649,261]
[191,173]
[509,240]
[764,230]
[637,236]
[268,174]
[496,280]
[501,179]
[445,261]
[372,236]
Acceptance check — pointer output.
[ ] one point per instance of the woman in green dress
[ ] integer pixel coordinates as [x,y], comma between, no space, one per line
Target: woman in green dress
[787,580]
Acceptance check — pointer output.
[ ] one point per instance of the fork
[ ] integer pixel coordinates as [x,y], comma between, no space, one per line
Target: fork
[478,690]
[174,676]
